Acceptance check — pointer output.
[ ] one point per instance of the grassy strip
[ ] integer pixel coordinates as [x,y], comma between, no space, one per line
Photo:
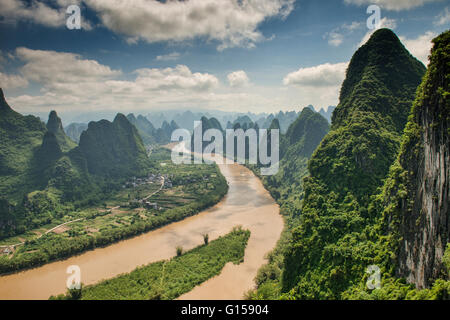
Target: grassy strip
[170,279]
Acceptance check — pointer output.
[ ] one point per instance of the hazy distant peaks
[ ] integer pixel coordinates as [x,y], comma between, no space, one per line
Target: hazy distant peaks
[327,114]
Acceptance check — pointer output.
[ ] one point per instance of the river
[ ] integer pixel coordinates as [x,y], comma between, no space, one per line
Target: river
[247,204]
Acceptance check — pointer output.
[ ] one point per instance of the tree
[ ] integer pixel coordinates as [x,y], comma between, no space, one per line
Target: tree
[206,238]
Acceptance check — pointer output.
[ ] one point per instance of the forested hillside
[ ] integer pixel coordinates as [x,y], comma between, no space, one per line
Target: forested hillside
[145,128]
[418,199]
[44,173]
[297,145]
[54,125]
[21,137]
[348,167]
[114,149]
[364,203]
[413,208]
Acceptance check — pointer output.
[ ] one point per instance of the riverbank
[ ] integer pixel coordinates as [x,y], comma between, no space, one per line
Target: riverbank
[247,204]
[194,189]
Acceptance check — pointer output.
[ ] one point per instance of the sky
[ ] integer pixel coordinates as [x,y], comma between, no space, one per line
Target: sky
[229,55]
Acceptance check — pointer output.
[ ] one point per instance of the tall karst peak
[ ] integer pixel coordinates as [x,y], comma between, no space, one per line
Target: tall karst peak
[54,124]
[381,78]
[113,149]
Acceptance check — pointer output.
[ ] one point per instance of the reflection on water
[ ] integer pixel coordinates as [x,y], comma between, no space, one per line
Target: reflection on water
[247,203]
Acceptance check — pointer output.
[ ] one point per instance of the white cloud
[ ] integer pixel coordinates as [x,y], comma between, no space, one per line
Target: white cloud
[420,47]
[12,81]
[319,85]
[38,12]
[336,36]
[231,22]
[384,23]
[51,67]
[323,75]
[180,77]
[394,5]
[68,80]
[443,18]
[168,57]
[238,79]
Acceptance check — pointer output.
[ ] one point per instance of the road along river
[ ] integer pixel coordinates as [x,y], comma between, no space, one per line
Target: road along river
[247,203]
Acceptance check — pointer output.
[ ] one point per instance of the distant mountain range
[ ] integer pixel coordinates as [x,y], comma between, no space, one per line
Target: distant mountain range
[327,114]
[149,125]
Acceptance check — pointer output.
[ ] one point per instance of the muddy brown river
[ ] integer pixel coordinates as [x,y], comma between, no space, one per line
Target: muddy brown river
[247,203]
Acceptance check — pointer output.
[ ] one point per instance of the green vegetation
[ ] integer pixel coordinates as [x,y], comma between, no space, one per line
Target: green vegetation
[329,250]
[345,220]
[21,137]
[398,205]
[188,190]
[44,175]
[54,125]
[170,279]
[114,149]
[145,128]
[302,137]
[297,146]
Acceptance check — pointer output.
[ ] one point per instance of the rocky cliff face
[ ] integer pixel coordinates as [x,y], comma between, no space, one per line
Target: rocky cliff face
[425,156]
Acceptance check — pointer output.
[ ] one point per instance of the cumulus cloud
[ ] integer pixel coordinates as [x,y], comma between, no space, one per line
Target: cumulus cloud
[70,73]
[68,80]
[336,36]
[323,75]
[12,81]
[318,85]
[169,57]
[38,12]
[394,5]
[180,77]
[238,79]
[231,22]
[420,47]
[443,18]
[51,67]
